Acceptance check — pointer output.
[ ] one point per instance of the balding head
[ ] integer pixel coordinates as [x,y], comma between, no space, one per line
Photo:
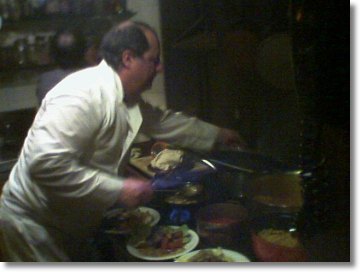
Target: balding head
[127,35]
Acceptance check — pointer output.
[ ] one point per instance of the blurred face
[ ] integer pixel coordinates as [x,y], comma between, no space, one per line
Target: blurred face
[150,63]
[144,68]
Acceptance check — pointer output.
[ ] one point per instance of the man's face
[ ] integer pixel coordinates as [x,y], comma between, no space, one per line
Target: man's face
[147,66]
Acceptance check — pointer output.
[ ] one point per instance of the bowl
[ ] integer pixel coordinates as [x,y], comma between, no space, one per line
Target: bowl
[221,224]
[157,147]
[275,239]
[279,192]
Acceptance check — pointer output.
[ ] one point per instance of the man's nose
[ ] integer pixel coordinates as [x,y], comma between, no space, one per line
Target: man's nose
[159,68]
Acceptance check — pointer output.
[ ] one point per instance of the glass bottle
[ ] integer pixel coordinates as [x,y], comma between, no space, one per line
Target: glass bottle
[21,52]
[14,10]
[4,10]
[32,58]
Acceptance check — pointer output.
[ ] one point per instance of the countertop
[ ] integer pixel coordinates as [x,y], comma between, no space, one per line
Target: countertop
[333,237]
[113,247]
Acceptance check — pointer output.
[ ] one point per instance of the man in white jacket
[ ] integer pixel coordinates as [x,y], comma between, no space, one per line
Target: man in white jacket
[69,169]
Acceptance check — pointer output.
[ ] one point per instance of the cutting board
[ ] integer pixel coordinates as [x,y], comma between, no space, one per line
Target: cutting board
[142,164]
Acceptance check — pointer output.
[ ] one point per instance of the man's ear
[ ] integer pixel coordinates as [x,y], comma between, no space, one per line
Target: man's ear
[127,58]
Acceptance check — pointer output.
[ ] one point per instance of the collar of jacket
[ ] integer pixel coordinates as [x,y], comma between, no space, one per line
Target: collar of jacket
[134,117]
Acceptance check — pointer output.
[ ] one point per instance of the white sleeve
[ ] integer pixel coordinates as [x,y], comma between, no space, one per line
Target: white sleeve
[178,128]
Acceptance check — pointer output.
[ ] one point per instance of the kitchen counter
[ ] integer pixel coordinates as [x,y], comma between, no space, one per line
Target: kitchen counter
[335,237]
[113,246]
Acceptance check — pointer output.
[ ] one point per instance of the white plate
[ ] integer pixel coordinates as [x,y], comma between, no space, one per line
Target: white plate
[235,257]
[155,218]
[194,240]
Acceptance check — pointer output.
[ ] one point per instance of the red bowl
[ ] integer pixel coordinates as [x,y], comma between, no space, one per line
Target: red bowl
[221,224]
[269,252]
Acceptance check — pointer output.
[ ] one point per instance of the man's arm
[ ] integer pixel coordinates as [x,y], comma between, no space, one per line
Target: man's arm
[188,132]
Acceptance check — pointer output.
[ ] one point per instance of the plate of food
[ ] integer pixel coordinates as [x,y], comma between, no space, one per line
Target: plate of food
[164,243]
[125,221]
[212,255]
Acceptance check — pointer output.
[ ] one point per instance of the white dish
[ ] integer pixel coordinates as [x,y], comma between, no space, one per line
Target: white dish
[155,218]
[194,240]
[234,256]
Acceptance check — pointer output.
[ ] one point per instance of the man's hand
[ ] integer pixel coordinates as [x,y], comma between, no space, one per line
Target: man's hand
[231,139]
[135,192]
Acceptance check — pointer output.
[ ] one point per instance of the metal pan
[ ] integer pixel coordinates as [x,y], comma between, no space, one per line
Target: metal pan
[247,162]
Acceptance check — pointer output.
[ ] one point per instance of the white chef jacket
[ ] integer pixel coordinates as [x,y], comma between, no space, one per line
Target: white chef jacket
[67,173]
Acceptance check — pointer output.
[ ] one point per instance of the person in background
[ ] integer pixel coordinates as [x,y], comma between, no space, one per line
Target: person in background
[70,52]
[92,52]
[69,172]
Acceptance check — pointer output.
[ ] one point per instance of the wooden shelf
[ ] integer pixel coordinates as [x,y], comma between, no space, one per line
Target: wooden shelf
[48,22]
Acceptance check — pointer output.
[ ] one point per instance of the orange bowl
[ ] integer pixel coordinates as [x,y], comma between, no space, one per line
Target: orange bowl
[157,147]
[279,246]
[221,224]
[270,252]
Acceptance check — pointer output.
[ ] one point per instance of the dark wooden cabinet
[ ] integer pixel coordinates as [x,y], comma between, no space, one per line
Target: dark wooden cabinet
[230,63]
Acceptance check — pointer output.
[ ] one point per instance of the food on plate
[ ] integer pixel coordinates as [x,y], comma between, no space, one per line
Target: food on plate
[167,160]
[164,240]
[132,221]
[280,237]
[130,218]
[210,255]
[180,200]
